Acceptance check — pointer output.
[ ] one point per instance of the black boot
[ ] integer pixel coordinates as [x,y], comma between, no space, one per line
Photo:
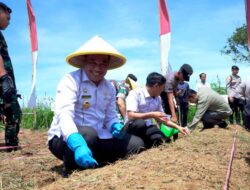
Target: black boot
[222,124]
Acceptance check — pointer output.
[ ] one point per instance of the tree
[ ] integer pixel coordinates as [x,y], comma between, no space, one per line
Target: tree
[237,46]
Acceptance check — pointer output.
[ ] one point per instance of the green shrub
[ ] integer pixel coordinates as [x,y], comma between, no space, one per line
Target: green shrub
[191,112]
[44,117]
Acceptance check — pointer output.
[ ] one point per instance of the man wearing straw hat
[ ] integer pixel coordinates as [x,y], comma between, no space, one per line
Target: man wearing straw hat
[85,130]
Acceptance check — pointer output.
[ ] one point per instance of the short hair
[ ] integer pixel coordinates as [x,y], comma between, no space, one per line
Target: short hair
[4,7]
[155,78]
[202,74]
[234,67]
[133,77]
[190,93]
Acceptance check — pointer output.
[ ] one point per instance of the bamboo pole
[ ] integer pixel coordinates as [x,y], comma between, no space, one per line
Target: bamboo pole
[35,119]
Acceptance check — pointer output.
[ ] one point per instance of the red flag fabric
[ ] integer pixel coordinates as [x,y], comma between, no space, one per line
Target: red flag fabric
[164,18]
[247,3]
[164,37]
[32,25]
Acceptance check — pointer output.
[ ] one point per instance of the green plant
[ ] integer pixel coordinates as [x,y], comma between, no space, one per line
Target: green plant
[191,112]
[43,112]
[44,118]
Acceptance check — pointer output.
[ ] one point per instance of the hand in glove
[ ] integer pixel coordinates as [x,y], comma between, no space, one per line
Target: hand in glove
[82,153]
[116,130]
[8,88]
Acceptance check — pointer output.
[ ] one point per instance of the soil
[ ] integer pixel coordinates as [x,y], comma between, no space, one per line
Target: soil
[198,161]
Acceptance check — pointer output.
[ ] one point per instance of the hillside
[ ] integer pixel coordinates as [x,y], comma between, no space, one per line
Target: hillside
[199,161]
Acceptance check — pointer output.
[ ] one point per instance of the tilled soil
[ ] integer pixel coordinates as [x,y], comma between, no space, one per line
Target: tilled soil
[199,161]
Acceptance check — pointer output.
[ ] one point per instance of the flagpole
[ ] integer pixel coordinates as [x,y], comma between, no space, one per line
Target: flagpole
[159,7]
[34,50]
[32,77]
[34,47]
[164,37]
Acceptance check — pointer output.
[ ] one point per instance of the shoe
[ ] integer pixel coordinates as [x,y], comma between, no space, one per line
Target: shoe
[12,142]
[222,124]
[175,136]
[167,140]
[207,125]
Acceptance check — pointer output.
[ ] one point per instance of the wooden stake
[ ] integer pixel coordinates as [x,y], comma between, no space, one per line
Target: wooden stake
[34,121]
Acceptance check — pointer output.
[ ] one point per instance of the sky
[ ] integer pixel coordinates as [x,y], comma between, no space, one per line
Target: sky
[199,30]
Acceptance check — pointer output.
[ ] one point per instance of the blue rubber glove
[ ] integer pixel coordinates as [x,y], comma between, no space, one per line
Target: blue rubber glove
[116,130]
[82,153]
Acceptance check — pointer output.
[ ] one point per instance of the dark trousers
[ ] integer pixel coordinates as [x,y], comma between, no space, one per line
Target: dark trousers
[183,113]
[165,104]
[237,107]
[166,108]
[247,122]
[104,150]
[151,135]
[13,116]
[211,118]
[247,115]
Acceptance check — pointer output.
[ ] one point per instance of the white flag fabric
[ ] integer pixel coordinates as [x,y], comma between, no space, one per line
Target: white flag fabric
[164,37]
[34,47]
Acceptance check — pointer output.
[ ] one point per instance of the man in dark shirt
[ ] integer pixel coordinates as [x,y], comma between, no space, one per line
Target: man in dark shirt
[181,94]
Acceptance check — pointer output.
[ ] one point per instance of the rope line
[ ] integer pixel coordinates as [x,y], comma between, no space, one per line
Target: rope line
[20,146]
[231,161]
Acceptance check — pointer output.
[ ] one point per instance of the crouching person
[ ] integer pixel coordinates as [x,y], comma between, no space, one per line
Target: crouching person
[212,109]
[85,131]
[143,105]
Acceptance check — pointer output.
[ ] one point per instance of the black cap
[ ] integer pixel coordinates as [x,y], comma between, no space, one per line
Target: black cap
[187,71]
[133,77]
[5,7]
[234,67]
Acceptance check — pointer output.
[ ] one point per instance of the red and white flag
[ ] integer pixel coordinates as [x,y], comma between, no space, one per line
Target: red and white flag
[164,37]
[34,48]
[247,3]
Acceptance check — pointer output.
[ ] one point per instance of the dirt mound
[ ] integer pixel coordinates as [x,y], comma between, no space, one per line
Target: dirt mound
[199,161]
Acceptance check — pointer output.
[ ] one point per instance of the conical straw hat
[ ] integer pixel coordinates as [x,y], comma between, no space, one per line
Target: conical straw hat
[95,46]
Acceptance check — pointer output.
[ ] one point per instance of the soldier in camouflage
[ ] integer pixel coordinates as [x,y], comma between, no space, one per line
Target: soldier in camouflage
[122,89]
[8,94]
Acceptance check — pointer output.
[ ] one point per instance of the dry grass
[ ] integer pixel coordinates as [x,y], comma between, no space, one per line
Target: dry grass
[196,162]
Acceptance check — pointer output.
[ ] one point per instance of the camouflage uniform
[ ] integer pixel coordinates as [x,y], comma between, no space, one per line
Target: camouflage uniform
[122,92]
[11,111]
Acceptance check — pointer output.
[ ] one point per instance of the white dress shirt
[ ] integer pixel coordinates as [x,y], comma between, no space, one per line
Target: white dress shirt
[201,85]
[79,103]
[140,101]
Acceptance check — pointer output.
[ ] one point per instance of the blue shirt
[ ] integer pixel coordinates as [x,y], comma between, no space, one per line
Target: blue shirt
[183,87]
